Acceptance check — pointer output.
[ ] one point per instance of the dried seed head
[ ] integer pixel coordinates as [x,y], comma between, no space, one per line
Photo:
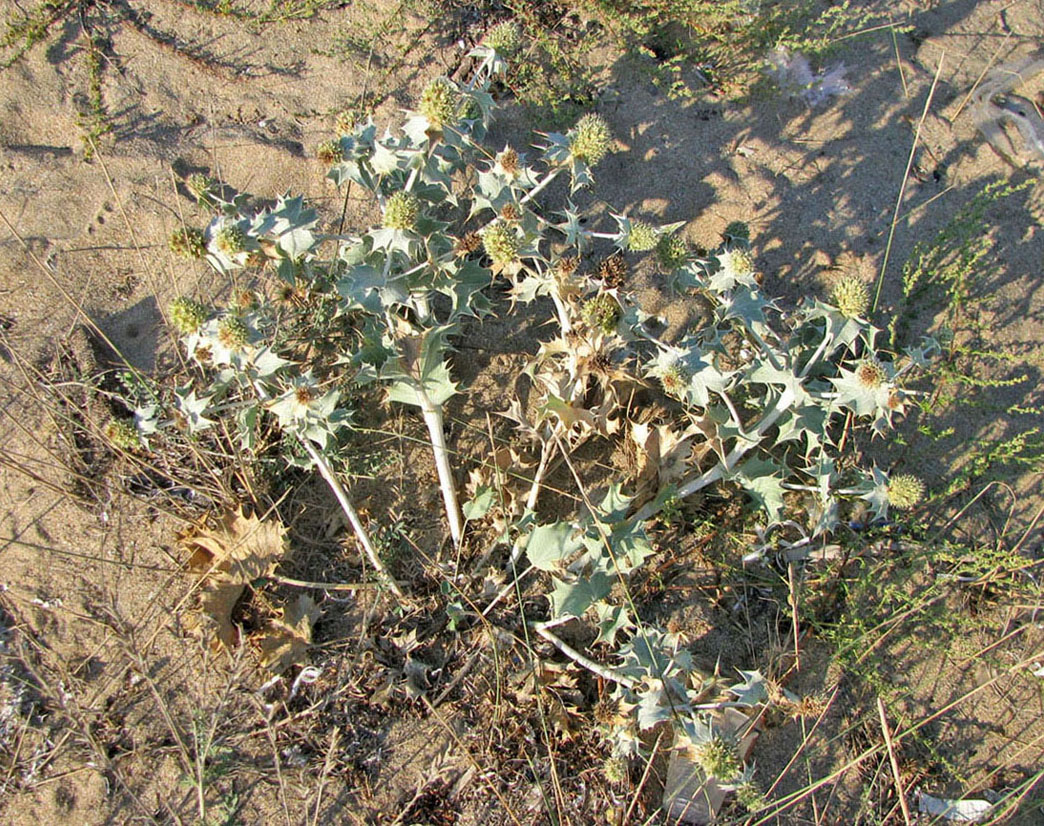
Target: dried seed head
[565,267]
[508,160]
[718,758]
[400,211]
[509,212]
[233,332]
[188,242]
[606,711]
[871,374]
[329,152]
[602,313]
[613,270]
[186,315]
[230,239]
[590,140]
[304,394]
[642,237]
[123,435]
[504,38]
[905,491]
[438,102]
[467,244]
[671,252]
[501,244]
[851,297]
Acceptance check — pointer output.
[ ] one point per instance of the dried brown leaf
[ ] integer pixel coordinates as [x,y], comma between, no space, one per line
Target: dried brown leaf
[287,640]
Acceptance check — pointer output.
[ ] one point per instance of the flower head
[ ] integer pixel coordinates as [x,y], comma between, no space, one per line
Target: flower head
[671,252]
[851,297]
[642,237]
[438,102]
[504,37]
[718,758]
[501,244]
[401,210]
[905,491]
[602,313]
[186,315]
[590,140]
[674,380]
[233,332]
[871,374]
[122,435]
[344,123]
[230,239]
[201,186]
[329,152]
[613,270]
[188,242]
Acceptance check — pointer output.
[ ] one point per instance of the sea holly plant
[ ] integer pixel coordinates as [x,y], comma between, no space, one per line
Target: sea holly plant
[762,398]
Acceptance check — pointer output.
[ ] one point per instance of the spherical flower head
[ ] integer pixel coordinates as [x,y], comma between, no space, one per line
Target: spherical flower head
[186,315]
[737,263]
[750,797]
[508,161]
[200,186]
[737,231]
[674,380]
[233,332]
[565,267]
[718,758]
[122,435]
[590,140]
[500,244]
[401,210]
[438,102]
[230,239]
[188,242]
[642,237]
[871,374]
[613,270]
[505,37]
[905,491]
[615,770]
[329,152]
[602,313]
[671,252]
[852,297]
[344,123]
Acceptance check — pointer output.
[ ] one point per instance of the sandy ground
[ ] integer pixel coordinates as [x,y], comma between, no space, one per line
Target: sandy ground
[98,589]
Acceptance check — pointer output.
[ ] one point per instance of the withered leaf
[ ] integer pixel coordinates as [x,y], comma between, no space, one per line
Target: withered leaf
[287,640]
[233,553]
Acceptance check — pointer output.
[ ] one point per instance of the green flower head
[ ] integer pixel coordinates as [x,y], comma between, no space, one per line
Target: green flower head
[501,244]
[675,381]
[230,239]
[344,123]
[590,140]
[401,210]
[905,491]
[671,252]
[201,186]
[186,315]
[123,435]
[188,242]
[851,297]
[615,770]
[329,152]
[642,237]
[438,102]
[504,37]
[718,758]
[233,332]
[602,313]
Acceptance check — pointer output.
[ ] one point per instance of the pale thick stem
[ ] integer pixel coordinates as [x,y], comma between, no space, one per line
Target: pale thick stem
[433,419]
[542,185]
[345,502]
[586,662]
[341,495]
[534,491]
[563,314]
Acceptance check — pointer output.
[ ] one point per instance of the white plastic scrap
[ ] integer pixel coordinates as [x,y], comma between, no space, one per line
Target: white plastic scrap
[959,811]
